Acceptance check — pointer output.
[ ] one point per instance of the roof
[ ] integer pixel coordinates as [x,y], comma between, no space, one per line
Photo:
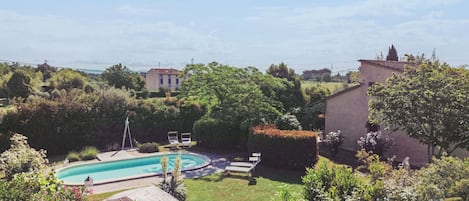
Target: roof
[344,91]
[393,65]
[164,71]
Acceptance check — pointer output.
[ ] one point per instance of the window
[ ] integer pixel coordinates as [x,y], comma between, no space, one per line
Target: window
[161,80]
[177,81]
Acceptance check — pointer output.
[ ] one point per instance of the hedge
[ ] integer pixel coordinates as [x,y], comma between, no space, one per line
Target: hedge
[287,149]
[214,133]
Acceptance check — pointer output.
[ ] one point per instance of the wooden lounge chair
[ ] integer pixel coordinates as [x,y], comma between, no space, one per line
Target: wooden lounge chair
[173,139]
[186,140]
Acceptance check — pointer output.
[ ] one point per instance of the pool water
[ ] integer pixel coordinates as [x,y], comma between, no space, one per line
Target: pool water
[103,172]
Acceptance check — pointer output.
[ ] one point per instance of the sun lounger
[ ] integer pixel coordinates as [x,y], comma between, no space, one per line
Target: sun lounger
[252,161]
[186,140]
[245,167]
[173,138]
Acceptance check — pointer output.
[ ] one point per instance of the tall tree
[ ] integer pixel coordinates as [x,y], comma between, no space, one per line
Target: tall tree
[227,92]
[291,97]
[392,54]
[120,76]
[429,102]
[19,84]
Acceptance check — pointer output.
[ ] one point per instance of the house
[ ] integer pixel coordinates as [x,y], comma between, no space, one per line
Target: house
[167,78]
[348,111]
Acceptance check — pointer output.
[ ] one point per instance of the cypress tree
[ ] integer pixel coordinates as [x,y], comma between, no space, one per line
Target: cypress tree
[392,54]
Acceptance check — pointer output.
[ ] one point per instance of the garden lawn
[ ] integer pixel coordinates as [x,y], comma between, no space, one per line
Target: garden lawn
[237,187]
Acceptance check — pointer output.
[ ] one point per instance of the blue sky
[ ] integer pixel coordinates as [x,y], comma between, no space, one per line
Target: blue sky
[304,34]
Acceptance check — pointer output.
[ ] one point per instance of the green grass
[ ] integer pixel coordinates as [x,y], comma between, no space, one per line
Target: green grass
[237,186]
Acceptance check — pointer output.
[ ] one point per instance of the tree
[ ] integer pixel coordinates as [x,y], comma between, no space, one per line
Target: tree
[353,76]
[120,76]
[67,79]
[429,102]
[46,70]
[392,54]
[228,93]
[19,85]
[291,97]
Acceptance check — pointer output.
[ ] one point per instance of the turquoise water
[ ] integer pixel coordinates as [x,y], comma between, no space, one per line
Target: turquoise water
[115,170]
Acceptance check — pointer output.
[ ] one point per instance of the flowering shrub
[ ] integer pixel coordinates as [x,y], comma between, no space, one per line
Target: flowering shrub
[376,142]
[21,157]
[334,140]
[288,122]
[26,186]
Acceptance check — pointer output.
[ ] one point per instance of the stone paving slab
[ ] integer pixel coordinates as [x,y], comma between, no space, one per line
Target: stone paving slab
[149,193]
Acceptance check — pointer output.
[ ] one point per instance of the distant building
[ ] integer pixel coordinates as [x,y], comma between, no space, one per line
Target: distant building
[167,78]
[316,74]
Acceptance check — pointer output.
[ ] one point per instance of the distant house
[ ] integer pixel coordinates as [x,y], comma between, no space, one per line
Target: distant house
[316,74]
[348,111]
[167,78]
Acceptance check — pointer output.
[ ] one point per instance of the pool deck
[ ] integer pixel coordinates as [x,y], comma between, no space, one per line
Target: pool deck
[149,193]
[218,164]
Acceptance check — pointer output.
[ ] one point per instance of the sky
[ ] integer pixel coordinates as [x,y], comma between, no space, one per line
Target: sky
[304,34]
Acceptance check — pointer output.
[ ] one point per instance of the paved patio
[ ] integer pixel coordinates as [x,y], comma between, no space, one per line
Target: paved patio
[149,193]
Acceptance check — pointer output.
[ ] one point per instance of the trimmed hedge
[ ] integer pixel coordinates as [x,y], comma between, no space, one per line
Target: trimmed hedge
[287,149]
[214,133]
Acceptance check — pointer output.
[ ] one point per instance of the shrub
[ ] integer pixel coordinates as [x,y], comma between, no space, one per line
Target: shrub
[175,186]
[148,147]
[377,142]
[326,183]
[88,153]
[334,140]
[38,186]
[73,156]
[441,177]
[214,133]
[284,149]
[288,122]
[21,158]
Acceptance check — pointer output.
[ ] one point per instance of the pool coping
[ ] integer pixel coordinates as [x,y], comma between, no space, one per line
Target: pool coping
[205,164]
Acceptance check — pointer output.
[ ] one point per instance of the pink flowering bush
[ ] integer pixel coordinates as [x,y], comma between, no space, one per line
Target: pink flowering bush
[334,140]
[376,142]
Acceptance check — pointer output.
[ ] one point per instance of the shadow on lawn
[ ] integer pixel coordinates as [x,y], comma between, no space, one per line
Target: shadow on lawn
[280,175]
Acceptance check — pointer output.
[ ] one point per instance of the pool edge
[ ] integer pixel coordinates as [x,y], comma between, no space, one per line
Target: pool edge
[207,163]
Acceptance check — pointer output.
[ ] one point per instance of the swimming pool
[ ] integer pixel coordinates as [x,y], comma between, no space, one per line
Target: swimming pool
[105,172]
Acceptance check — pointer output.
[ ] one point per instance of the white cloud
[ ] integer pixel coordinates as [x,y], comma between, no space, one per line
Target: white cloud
[133,10]
[67,41]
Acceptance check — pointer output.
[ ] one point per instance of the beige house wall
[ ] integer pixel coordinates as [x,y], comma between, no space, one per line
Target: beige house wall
[348,112]
[153,81]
